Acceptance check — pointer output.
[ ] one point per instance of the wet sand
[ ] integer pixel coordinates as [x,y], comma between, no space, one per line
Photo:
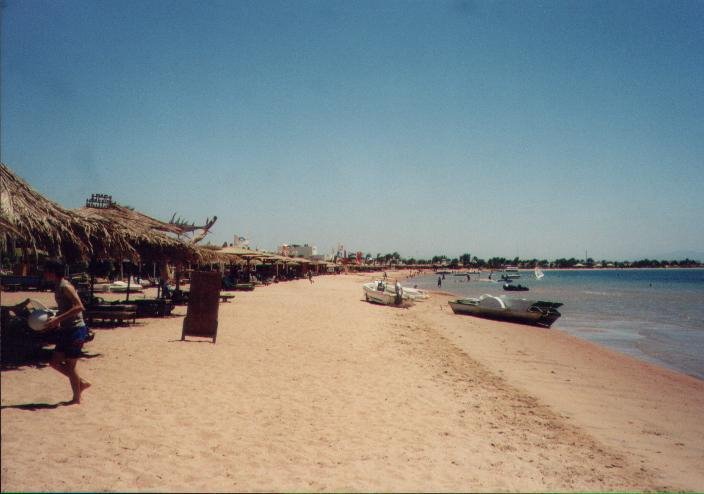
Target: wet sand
[311,388]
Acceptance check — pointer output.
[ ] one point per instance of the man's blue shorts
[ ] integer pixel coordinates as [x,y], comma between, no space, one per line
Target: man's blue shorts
[70,341]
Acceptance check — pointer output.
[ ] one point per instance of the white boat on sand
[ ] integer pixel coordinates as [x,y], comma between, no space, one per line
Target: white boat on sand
[381,292]
[121,287]
[415,294]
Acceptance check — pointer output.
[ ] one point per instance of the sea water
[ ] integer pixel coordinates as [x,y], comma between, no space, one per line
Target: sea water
[653,314]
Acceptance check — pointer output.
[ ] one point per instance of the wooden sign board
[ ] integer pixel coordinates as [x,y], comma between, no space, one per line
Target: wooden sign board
[203,302]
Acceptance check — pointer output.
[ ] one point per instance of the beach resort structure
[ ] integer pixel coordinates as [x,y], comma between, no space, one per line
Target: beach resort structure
[309,387]
[296,250]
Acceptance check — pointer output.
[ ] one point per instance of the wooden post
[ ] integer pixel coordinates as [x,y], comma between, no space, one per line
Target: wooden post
[92,280]
[129,281]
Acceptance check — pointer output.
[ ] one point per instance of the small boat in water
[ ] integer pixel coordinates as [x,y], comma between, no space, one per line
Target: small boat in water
[534,312]
[538,273]
[510,273]
[515,288]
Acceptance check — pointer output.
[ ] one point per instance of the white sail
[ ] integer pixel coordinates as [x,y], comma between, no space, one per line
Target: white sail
[539,273]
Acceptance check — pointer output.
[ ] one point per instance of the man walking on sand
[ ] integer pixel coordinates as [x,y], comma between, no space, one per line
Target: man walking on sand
[69,327]
[310,277]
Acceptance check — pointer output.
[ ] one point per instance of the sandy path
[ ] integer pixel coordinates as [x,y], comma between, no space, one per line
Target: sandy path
[307,388]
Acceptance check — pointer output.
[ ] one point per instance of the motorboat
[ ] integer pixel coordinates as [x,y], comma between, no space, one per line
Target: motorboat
[381,292]
[415,294]
[534,312]
[515,288]
[510,273]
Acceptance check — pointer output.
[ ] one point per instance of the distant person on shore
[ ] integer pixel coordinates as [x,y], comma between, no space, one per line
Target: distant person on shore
[310,277]
[68,326]
[439,281]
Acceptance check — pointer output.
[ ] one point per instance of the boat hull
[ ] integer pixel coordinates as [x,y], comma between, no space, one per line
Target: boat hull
[534,318]
[383,297]
[515,288]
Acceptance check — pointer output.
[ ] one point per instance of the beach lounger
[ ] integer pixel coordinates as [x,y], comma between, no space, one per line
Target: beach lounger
[110,313]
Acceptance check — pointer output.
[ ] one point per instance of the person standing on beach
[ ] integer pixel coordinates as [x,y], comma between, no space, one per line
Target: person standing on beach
[439,282]
[69,328]
[399,293]
[310,277]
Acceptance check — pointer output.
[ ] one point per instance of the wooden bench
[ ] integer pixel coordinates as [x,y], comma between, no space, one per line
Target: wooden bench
[116,315]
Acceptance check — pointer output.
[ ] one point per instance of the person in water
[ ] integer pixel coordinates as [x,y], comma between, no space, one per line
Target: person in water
[439,281]
[70,329]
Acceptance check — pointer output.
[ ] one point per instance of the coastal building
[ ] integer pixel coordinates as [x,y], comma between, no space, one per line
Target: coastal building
[240,241]
[296,250]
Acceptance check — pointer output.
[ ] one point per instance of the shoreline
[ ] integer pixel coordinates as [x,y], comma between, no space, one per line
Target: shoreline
[651,359]
[620,399]
[311,388]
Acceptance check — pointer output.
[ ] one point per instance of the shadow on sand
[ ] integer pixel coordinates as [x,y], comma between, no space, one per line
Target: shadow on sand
[192,341]
[38,359]
[33,407]
[403,305]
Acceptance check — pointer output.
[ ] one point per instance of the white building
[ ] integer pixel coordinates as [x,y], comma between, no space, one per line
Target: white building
[295,250]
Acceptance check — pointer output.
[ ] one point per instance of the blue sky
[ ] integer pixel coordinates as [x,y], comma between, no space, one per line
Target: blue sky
[538,129]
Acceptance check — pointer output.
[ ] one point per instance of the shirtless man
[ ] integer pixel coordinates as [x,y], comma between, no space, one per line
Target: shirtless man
[69,326]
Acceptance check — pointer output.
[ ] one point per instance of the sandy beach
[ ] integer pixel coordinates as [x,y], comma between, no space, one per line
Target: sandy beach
[309,388]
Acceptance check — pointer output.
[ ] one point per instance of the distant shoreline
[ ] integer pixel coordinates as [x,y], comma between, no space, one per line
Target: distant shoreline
[474,270]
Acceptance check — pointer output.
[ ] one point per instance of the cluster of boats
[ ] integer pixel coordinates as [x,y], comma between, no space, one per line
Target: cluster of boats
[520,310]
[511,273]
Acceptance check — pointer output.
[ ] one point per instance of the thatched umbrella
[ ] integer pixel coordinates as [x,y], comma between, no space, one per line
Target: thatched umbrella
[41,224]
[117,232]
[147,236]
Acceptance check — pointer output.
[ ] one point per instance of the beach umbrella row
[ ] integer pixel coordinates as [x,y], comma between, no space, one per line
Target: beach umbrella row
[110,231]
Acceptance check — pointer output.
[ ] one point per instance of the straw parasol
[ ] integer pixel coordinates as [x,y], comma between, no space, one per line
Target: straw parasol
[147,237]
[41,224]
[117,232]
